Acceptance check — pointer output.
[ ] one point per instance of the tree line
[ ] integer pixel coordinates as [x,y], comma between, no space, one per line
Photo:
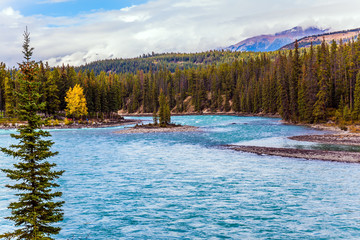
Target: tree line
[310,85]
[171,61]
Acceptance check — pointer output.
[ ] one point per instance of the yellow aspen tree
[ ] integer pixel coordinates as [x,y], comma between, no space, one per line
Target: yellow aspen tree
[76,102]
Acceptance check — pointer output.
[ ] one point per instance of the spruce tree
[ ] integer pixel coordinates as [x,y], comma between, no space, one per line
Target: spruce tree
[155,117]
[294,83]
[51,93]
[10,98]
[227,106]
[322,96]
[33,176]
[236,99]
[357,97]
[167,113]
[284,93]
[164,110]
[3,75]
[162,103]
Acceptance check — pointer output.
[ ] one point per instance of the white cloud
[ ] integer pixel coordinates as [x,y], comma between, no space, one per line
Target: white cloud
[164,26]
[10,12]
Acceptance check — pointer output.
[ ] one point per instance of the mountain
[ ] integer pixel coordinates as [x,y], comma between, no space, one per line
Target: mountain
[345,35]
[265,43]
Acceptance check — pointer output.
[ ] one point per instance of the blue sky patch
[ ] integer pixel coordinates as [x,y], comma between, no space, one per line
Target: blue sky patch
[57,8]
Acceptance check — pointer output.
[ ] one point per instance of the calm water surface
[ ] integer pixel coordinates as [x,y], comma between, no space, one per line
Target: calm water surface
[185,186]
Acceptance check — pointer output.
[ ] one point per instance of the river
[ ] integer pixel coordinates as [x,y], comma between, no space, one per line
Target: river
[186,186]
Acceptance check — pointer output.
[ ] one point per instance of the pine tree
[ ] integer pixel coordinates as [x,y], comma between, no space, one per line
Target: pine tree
[236,99]
[3,75]
[227,106]
[283,90]
[97,100]
[162,102]
[154,94]
[164,110]
[319,111]
[113,101]
[357,97]
[135,97]
[322,96]
[155,117]
[167,113]
[35,211]
[103,93]
[63,85]
[220,101]
[10,98]
[295,79]
[51,94]
[146,95]
[302,100]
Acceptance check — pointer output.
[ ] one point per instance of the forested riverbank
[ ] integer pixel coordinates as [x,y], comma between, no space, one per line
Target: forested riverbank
[318,84]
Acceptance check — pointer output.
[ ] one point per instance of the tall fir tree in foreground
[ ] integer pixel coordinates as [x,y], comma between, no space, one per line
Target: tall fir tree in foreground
[33,177]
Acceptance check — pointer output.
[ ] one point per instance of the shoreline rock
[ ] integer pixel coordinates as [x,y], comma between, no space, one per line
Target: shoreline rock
[336,139]
[335,156]
[79,126]
[146,129]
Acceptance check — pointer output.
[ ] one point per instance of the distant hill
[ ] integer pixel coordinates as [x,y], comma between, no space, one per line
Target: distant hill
[345,35]
[170,61]
[265,43]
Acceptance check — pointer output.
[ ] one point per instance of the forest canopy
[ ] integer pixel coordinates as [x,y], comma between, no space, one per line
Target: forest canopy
[315,84]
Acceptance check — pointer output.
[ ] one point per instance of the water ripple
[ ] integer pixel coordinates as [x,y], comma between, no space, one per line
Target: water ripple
[181,186]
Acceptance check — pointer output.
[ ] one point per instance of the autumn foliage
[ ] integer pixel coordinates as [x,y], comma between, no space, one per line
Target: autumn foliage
[76,102]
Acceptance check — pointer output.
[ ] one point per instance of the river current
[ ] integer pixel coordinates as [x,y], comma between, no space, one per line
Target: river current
[186,186]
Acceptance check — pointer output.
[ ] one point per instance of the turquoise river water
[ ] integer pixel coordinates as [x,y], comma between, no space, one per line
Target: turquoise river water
[186,186]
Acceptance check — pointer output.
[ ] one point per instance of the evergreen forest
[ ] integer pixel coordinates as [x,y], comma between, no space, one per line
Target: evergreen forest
[307,85]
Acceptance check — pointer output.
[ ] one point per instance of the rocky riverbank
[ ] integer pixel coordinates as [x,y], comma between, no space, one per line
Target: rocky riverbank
[337,139]
[104,124]
[156,129]
[337,156]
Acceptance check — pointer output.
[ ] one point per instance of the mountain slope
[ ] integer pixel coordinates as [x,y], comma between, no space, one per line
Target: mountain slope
[170,61]
[264,43]
[345,35]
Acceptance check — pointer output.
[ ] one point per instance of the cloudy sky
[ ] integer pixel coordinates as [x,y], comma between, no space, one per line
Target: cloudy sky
[78,31]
